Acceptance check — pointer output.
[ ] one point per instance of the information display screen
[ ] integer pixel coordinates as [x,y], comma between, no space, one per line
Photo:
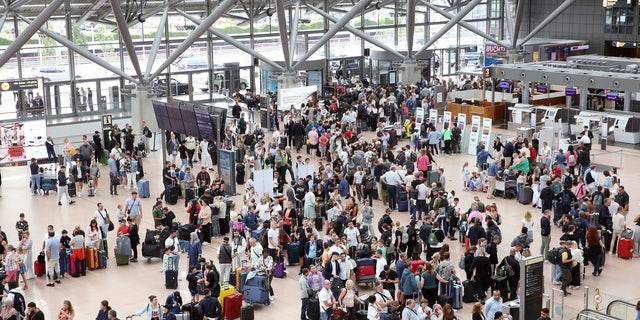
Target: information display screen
[503,85]
[175,117]
[205,126]
[189,120]
[570,91]
[612,96]
[531,286]
[162,117]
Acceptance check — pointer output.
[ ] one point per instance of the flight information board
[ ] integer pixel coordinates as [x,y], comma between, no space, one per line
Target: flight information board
[205,126]
[175,117]
[531,287]
[162,117]
[189,120]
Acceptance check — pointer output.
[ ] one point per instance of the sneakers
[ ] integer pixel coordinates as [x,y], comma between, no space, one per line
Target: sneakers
[599,272]
[57,281]
[271,298]
[72,202]
[50,284]
[59,203]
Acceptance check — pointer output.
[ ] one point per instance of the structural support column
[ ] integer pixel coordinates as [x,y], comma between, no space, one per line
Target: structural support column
[333,30]
[449,25]
[294,33]
[29,31]
[627,101]
[126,36]
[517,23]
[411,20]
[583,98]
[282,29]
[525,94]
[156,42]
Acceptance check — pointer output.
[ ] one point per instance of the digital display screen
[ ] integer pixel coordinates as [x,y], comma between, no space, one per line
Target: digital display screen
[175,117]
[189,120]
[570,91]
[205,126]
[612,96]
[504,85]
[162,117]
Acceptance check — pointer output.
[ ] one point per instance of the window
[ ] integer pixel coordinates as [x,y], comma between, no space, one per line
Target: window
[619,16]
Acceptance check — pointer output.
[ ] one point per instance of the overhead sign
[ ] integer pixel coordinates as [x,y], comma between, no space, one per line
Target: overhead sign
[582,47]
[494,49]
[570,91]
[19,85]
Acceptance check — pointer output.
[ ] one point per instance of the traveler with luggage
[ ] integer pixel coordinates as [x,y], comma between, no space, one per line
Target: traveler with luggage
[595,249]
[153,309]
[210,307]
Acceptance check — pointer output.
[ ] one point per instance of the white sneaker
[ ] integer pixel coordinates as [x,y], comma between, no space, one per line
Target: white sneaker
[271,298]
[557,282]
[79,195]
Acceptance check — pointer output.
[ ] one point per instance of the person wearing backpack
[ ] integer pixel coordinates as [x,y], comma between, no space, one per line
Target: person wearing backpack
[591,178]
[571,159]
[566,199]
[566,260]
[19,303]
[511,268]
[434,240]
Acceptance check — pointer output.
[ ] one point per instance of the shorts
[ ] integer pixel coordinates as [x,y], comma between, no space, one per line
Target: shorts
[23,269]
[193,292]
[322,149]
[313,146]
[285,246]
[421,205]
[123,173]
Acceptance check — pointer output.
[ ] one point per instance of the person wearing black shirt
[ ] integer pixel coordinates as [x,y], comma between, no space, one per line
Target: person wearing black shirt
[389,278]
[482,266]
[35,176]
[235,110]
[167,177]
[545,232]
[184,155]
[210,307]
[97,145]
[512,278]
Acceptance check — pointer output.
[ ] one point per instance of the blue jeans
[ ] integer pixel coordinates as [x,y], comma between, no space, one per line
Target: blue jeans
[303,309]
[324,315]
[557,272]
[596,262]
[35,183]
[185,164]
[393,196]
[412,210]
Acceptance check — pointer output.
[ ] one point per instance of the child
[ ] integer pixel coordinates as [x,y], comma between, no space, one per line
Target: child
[463,228]
[527,222]
[192,279]
[475,183]
[21,225]
[465,175]
[123,229]
[520,182]
[120,212]
[22,268]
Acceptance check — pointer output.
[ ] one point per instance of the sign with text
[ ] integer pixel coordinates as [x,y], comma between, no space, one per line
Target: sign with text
[570,91]
[419,115]
[227,170]
[19,85]
[433,116]
[531,287]
[494,49]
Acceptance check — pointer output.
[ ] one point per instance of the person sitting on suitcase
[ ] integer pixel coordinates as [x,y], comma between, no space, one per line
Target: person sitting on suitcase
[210,307]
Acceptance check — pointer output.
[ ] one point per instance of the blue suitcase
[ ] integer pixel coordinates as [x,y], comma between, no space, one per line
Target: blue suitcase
[292,253]
[403,205]
[456,293]
[243,280]
[143,188]
[256,290]
[64,262]
[102,259]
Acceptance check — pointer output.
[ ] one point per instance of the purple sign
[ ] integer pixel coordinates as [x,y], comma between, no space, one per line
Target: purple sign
[541,88]
[612,95]
[504,85]
[570,91]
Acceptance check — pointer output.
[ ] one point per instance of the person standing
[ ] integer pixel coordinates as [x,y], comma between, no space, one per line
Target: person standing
[210,307]
[51,153]
[304,293]
[327,301]
[63,189]
[134,236]
[205,156]
[392,179]
[545,232]
[173,244]
[565,266]
[35,177]
[133,208]
[52,252]
[114,180]
[512,271]
[225,254]
[492,175]
[493,305]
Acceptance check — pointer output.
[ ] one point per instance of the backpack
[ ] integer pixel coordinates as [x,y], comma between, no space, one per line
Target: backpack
[572,158]
[351,169]
[566,198]
[413,193]
[413,157]
[445,270]
[597,200]
[405,236]
[369,183]
[568,180]
[19,303]
[508,270]
[337,165]
[554,256]
[263,238]
[589,178]
[461,264]
[432,240]
[463,227]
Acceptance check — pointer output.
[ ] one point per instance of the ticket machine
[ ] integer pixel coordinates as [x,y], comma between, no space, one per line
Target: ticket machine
[625,128]
[546,116]
[587,118]
[520,116]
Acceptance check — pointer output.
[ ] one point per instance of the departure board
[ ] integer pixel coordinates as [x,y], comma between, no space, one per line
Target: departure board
[175,117]
[189,120]
[205,126]
[531,287]
[162,117]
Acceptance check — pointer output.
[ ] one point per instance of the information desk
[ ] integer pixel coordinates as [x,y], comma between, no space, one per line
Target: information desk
[495,112]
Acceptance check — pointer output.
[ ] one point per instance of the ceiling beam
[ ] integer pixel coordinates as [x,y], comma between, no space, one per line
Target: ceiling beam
[557,12]
[282,30]
[126,36]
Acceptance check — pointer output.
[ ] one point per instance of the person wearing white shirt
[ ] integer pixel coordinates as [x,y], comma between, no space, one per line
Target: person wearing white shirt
[409,313]
[326,299]
[337,247]
[273,240]
[255,251]
[353,235]
[545,155]
[392,179]
[383,298]
[618,226]
[380,261]
[205,156]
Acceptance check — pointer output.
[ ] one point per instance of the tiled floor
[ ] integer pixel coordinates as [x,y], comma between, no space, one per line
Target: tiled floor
[127,287]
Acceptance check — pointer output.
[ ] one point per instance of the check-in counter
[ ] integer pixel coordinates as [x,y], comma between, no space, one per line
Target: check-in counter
[520,116]
[484,110]
[625,128]
[590,119]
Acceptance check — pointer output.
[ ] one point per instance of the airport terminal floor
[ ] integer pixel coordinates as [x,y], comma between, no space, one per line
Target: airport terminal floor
[127,287]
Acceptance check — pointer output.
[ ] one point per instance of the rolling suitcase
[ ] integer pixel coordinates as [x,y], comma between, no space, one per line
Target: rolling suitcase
[313,310]
[470,291]
[240,172]
[242,280]
[182,315]
[526,195]
[232,306]
[39,268]
[283,143]
[433,177]
[143,188]
[625,248]
[403,205]
[172,194]
[171,279]
[105,247]
[102,259]
[225,290]
[71,187]
[278,271]
[292,253]
[402,195]
[456,293]
[192,309]
[500,283]
[246,312]
[256,290]
[64,262]
[74,268]
[91,255]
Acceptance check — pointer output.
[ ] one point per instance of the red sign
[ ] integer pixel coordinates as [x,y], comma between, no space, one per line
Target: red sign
[494,49]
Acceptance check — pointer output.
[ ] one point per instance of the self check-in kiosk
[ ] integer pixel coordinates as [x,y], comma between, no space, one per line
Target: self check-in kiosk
[589,119]
[625,128]
[520,116]
[547,116]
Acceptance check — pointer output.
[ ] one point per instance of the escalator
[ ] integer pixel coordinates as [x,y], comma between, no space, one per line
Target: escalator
[622,309]
[589,314]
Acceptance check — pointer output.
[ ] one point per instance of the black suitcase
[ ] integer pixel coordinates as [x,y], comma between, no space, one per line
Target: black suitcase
[192,309]
[402,195]
[500,283]
[575,275]
[606,236]
[172,194]
[224,225]
[292,253]
[239,155]
[240,172]
[319,223]
[171,279]
[526,195]
[313,310]
[71,187]
[151,250]
[283,143]
[141,147]
[470,291]
[246,312]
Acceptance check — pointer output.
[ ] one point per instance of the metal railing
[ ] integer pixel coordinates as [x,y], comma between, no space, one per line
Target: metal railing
[588,314]
[621,309]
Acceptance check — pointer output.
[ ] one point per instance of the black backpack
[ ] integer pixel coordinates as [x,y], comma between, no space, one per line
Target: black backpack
[369,183]
[554,256]
[19,303]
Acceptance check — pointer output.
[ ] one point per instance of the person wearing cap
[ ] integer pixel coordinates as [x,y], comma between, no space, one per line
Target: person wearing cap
[173,244]
[225,257]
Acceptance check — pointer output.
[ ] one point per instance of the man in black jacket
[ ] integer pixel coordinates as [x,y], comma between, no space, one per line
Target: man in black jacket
[298,132]
[513,275]
[482,266]
[209,306]
[546,197]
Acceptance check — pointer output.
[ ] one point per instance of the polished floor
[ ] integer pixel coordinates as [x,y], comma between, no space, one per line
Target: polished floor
[127,287]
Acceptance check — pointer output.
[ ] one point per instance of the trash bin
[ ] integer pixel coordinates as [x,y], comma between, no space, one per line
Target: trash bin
[512,308]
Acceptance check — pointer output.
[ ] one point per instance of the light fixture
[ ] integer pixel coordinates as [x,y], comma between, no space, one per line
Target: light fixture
[378,5]
[270,11]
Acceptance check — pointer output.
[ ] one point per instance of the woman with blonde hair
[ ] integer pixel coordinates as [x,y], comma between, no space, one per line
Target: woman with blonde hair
[528,223]
[8,312]
[66,312]
[477,313]
[347,299]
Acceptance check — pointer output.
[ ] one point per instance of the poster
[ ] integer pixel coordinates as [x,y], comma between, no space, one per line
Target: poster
[433,116]
[295,96]
[23,140]
[227,171]
[447,119]
[419,115]
[486,131]
[462,121]
[263,181]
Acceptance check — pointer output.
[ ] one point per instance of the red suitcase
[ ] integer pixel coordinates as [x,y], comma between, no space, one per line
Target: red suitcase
[625,248]
[415,264]
[367,270]
[232,306]
[39,268]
